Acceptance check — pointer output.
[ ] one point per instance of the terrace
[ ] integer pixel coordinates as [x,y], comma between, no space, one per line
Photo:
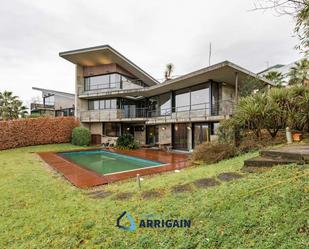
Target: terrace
[204,111]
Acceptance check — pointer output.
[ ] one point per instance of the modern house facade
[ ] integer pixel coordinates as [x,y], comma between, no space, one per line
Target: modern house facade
[54,103]
[115,96]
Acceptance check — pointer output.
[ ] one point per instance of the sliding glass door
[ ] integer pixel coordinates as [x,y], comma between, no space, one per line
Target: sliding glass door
[180,137]
[201,133]
[152,134]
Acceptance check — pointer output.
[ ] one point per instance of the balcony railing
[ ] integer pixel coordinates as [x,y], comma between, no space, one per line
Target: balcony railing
[41,105]
[99,89]
[204,110]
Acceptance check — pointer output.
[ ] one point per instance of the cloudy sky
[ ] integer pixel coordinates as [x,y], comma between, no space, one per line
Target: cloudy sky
[150,33]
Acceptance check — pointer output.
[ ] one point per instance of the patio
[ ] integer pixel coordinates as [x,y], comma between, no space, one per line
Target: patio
[83,178]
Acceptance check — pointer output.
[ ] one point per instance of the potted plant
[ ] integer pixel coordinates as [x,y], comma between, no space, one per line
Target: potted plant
[297,136]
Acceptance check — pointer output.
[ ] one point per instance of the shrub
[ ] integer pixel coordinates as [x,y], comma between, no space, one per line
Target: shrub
[213,152]
[81,136]
[229,132]
[126,141]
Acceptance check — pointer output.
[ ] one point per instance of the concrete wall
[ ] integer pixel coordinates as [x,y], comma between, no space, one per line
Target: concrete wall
[228,92]
[95,128]
[80,104]
[228,96]
[140,136]
[165,133]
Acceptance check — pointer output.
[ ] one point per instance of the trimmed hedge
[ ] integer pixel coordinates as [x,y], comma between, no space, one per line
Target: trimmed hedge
[36,131]
[81,136]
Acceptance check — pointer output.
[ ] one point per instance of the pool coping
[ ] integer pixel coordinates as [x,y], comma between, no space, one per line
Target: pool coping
[85,178]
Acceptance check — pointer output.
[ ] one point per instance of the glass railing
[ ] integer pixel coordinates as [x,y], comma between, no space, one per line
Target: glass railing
[96,89]
[220,108]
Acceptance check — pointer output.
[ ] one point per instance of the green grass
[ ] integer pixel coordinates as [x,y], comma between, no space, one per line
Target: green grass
[39,209]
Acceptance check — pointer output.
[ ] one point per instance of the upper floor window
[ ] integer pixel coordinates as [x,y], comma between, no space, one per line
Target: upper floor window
[49,100]
[110,81]
[106,81]
[194,98]
[102,104]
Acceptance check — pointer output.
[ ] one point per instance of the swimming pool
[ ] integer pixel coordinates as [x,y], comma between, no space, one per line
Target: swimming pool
[107,162]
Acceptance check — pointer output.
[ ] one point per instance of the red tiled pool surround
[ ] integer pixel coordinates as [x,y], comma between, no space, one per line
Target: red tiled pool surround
[83,178]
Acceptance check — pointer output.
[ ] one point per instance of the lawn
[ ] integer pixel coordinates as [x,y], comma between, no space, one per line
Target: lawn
[39,209]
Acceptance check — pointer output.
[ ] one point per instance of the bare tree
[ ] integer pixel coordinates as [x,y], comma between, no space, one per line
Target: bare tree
[298,9]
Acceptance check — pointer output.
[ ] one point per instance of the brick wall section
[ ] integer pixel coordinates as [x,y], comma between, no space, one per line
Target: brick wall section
[36,131]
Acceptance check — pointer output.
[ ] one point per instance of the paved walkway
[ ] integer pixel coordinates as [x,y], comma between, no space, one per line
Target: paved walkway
[294,153]
[84,178]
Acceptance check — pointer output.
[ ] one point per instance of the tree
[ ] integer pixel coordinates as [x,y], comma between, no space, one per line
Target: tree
[299,73]
[249,113]
[168,71]
[299,10]
[275,77]
[250,86]
[11,107]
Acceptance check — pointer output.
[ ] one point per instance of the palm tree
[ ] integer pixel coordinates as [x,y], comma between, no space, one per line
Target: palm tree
[275,77]
[11,107]
[168,71]
[299,74]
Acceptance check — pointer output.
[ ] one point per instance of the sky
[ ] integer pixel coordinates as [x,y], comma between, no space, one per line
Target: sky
[150,33]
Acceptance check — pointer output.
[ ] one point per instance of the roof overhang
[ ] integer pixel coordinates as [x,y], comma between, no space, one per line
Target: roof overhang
[48,92]
[222,72]
[105,54]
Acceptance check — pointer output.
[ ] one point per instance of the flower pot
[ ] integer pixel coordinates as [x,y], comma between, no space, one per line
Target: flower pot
[297,137]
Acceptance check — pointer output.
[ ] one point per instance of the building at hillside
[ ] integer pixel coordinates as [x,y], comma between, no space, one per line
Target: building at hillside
[280,68]
[115,96]
[54,103]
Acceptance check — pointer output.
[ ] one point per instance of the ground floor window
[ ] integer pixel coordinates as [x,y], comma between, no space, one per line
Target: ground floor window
[111,129]
[201,133]
[152,134]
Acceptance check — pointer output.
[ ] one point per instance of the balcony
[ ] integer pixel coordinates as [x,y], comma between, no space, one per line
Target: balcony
[99,90]
[200,112]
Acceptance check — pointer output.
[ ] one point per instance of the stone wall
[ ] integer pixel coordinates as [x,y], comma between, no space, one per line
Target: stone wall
[140,136]
[165,133]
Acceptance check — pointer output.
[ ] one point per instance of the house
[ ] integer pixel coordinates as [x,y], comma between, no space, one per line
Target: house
[115,96]
[54,103]
[280,68]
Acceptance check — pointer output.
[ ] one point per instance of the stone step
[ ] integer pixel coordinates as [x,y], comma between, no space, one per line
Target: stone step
[277,154]
[262,161]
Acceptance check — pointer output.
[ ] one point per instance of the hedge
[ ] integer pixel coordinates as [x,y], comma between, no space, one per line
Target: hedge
[36,131]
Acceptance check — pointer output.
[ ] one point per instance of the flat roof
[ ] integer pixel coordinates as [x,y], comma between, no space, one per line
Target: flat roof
[105,54]
[43,90]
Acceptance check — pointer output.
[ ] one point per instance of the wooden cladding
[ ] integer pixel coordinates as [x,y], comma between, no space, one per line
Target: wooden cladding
[105,69]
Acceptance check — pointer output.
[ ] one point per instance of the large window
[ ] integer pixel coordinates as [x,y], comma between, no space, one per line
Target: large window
[111,129]
[165,104]
[200,97]
[110,81]
[182,100]
[194,98]
[102,104]
[103,82]
[49,100]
